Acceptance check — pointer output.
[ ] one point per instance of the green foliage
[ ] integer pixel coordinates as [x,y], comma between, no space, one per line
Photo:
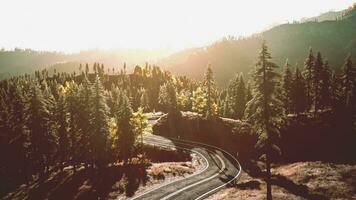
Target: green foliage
[99,124]
[298,93]
[287,87]
[210,90]
[199,101]
[168,97]
[349,82]
[43,140]
[139,123]
[265,111]
[236,98]
[125,134]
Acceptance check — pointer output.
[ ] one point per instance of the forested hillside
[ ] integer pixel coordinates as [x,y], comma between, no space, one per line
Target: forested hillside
[20,61]
[92,118]
[336,39]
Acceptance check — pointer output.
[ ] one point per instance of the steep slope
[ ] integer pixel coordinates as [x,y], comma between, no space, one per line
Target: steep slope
[334,39]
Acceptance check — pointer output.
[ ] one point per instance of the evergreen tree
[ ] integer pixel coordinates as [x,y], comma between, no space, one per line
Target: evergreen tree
[298,93]
[83,121]
[168,97]
[13,131]
[240,98]
[317,71]
[325,88]
[42,138]
[61,114]
[78,145]
[348,81]
[125,134]
[210,90]
[248,93]
[308,74]
[287,87]
[99,125]
[265,111]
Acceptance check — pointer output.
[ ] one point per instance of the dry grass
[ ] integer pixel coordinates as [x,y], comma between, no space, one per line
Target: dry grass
[302,180]
[158,174]
[161,170]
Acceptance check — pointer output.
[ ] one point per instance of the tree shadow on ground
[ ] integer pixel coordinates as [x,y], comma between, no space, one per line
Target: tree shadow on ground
[301,190]
[86,183]
[255,185]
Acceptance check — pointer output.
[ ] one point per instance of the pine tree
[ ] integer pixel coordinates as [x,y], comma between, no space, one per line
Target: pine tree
[298,93]
[74,131]
[348,81]
[210,90]
[168,97]
[240,99]
[325,88]
[61,114]
[83,121]
[287,87]
[317,71]
[308,74]
[125,134]
[265,111]
[99,125]
[248,93]
[42,138]
[336,91]
[13,131]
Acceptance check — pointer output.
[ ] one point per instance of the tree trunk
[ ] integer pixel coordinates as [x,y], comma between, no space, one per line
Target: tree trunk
[268,177]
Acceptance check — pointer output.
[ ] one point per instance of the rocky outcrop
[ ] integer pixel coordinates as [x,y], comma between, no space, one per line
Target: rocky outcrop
[232,135]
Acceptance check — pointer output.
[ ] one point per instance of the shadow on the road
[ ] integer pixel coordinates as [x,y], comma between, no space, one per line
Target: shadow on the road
[87,183]
[228,178]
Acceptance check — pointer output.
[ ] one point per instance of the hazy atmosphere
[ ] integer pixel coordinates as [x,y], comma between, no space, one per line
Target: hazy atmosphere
[67,25]
[178,99]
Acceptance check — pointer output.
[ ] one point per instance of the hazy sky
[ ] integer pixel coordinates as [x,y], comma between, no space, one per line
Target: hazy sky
[70,25]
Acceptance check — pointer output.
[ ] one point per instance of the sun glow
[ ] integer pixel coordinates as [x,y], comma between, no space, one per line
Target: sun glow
[68,25]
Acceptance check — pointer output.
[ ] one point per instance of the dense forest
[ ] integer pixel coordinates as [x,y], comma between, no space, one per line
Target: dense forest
[93,118]
[20,61]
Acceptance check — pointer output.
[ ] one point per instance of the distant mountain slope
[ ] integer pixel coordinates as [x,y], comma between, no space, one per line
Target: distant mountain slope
[19,61]
[334,39]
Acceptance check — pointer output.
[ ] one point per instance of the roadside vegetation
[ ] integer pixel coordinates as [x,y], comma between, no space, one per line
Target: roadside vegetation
[94,121]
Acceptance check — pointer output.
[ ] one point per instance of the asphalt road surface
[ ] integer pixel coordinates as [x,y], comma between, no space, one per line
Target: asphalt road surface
[221,169]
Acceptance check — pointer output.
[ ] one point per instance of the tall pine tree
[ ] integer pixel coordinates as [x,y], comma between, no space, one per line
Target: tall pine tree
[265,111]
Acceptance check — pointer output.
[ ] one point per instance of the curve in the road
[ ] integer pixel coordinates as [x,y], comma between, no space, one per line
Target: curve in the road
[223,185]
[194,174]
[196,187]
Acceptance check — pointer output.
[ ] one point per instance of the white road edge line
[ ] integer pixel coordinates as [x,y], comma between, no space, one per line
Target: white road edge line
[223,166]
[197,183]
[237,175]
[206,167]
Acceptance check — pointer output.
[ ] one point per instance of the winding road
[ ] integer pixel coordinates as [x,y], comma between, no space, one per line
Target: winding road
[221,169]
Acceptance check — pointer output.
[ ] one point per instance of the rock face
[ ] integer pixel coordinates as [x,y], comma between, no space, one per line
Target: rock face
[232,135]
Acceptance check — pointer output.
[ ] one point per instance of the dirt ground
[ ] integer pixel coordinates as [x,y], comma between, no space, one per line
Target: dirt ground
[301,180]
[114,182]
[159,174]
